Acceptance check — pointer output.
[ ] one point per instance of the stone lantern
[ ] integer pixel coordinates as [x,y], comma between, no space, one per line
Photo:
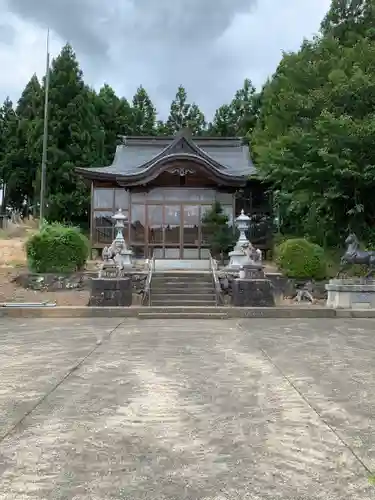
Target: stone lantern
[239,256]
[123,255]
[242,223]
[119,217]
[113,286]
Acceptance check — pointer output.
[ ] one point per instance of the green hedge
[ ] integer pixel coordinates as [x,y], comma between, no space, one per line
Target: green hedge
[299,258]
[57,248]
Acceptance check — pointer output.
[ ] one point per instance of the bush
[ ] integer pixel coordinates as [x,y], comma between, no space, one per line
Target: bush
[57,248]
[299,258]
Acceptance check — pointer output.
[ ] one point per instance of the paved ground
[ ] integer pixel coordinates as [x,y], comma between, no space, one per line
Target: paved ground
[213,410]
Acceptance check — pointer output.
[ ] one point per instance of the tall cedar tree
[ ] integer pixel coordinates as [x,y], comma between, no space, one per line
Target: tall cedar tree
[30,126]
[10,156]
[115,117]
[75,139]
[143,114]
[238,118]
[183,115]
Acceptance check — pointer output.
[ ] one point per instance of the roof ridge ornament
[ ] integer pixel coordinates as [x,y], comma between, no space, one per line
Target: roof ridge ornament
[182,172]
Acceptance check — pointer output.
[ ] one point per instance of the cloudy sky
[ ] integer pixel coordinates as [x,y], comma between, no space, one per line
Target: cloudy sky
[209,46]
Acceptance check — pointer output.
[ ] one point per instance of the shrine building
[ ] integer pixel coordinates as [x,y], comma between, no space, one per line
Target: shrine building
[166,184]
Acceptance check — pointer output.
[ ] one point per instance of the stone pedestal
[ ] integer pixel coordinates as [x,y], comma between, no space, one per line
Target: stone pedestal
[281,287]
[237,259]
[111,292]
[351,293]
[253,271]
[124,259]
[252,293]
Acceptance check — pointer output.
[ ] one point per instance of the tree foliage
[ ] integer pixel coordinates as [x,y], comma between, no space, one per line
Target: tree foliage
[143,114]
[74,139]
[314,140]
[299,258]
[83,131]
[26,150]
[115,117]
[219,235]
[57,248]
[8,151]
[349,20]
[311,129]
[238,118]
[184,115]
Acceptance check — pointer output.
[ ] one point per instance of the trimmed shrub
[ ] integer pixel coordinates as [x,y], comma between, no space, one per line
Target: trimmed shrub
[57,248]
[219,235]
[300,259]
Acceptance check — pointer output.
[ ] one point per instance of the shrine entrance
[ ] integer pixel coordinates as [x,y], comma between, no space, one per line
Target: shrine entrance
[164,222]
[173,220]
[181,235]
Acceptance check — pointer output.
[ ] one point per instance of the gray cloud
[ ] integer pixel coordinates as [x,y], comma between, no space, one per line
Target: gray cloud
[164,43]
[94,24]
[7,34]
[185,21]
[72,20]
[167,42]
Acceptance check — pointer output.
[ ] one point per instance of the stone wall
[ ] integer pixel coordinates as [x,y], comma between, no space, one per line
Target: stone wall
[53,282]
[107,292]
[283,286]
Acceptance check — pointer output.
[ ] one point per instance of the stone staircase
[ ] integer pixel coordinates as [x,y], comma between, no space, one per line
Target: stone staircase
[182,288]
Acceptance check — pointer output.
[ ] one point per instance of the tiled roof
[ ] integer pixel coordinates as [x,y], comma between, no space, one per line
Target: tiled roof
[137,154]
[236,160]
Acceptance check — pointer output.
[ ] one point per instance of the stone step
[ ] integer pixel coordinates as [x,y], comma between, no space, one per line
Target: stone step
[186,286]
[165,296]
[182,315]
[182,303]
[182,291]
[182,275]
[181,288]
[183,279]
[182,265]
[177,272]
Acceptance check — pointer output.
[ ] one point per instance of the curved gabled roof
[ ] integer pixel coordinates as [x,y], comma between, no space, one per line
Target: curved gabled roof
[139,158]
[153,170]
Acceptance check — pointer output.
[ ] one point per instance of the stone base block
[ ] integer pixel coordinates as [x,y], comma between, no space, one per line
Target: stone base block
[252,293]
[111,292]
[237,259]
[280,286]
[351,293]
[253,271]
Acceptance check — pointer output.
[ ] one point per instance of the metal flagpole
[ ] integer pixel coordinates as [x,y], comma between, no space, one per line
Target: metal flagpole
[45,137]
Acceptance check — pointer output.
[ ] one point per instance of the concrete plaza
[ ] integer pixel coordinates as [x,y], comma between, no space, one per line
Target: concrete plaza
[113,409]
